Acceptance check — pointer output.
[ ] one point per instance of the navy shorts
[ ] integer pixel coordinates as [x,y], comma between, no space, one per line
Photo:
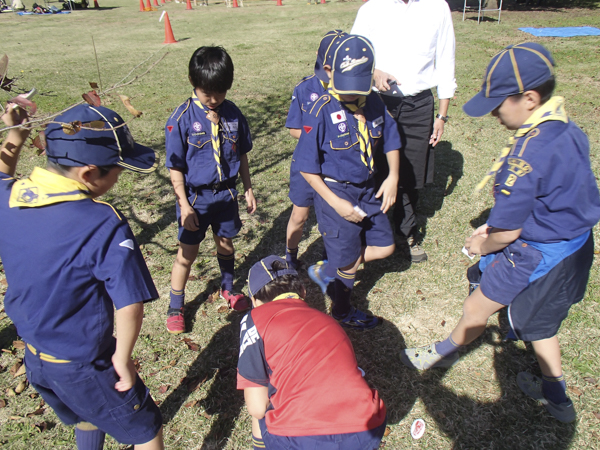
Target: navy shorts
[85,392]
[508,274]
[538,311]
[343,239]
[219,209]
[364,440]
[301,194]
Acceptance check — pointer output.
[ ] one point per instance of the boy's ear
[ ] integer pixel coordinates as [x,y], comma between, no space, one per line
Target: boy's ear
[327,69]
[190,80]
[532,99]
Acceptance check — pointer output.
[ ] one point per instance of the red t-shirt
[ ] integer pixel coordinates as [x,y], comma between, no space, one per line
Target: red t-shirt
[307,361]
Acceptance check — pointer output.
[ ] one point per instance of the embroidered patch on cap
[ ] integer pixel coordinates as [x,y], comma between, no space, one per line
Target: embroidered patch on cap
[350,63]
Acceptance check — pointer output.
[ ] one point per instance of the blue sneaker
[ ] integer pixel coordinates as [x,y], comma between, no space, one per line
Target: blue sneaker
[358,320]
[315,273]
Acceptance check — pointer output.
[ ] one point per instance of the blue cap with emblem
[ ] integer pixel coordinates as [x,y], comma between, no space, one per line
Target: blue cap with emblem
[327,47]
[353,66]
[265,271]
[94,135]
[516,69]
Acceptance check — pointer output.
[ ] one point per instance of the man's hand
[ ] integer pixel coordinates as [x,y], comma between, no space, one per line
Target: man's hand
[438,130]
[189,219]
[382,80]
[250,201]
[389,190]
[127,374]
[346,209]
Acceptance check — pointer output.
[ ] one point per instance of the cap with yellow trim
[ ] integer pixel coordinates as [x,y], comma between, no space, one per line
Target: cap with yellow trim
[264,271]
[95,135]
[516,69]
[327,47]
[353,66]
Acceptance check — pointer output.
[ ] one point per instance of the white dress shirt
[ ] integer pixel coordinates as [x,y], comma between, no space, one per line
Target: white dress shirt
[413,41]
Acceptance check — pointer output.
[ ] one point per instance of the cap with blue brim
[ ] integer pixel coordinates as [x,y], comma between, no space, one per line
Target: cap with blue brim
[327,47]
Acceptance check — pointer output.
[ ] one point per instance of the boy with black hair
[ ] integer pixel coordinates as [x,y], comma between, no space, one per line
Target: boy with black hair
[335,154]
[207,139]
[298,370]
[305,94]
[70,260]
[537,242]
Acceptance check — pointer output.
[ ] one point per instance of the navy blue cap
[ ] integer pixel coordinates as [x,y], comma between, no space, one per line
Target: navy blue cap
[327,47]
[263,272]
[353,66]
[94,135]
[516,69]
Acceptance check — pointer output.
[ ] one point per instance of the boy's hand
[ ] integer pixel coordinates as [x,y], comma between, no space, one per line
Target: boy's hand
[127,374]
[473,244]
[389,190]
[189,219]
[346,209]
[483,230]
[250,201]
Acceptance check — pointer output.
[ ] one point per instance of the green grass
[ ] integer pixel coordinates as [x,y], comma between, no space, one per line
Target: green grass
[477,404]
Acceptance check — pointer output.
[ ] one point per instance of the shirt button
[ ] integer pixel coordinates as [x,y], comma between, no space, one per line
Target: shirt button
[136,407]
[523,244]
[345,143]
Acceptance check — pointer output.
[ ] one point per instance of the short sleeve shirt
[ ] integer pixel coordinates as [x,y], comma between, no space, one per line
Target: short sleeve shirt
[307,362]
[330,141]
[546,185]
[305,94]
[68,265]
[189,145]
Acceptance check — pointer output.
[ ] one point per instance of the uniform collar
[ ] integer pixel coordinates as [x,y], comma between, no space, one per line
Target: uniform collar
[553,109]
[44,188]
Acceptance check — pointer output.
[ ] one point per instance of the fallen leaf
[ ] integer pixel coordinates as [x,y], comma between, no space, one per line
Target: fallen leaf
[15,368]
[387,431]
[127,102]
[377,290]
[19,345]
[15,417]
[21,387]
[423,298]
[173,363]
[206,415]
[590,380]
[4,282]
[34,395]
[2,403]
[136,364]
[443,323]
[93,85]
[210,298]
[222,309]
[42,426]
[191,404]
[597,414]
[204,313]
[37,412]
[164,388]
[10,392]
[575,391]
[20,372]
[419,292]
[92,98]
[193,346]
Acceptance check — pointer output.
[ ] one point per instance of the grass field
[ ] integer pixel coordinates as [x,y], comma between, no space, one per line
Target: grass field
[475,405]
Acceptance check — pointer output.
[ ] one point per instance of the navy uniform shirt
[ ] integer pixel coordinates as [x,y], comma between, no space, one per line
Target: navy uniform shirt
[67,264]
[329,143]
[546,185]
[305,94]
[189,147]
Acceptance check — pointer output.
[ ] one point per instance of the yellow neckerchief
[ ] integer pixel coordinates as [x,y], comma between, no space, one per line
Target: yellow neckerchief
[286,295]
[44,188]
[214,134]
[553,109]
[366,154]
[325,85]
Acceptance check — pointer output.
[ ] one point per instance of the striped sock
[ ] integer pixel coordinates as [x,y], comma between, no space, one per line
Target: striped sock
[555,389]
[344,282]
[258,443]
[177,298]
[447,347]
[92,439]
[291,257]
[227,265]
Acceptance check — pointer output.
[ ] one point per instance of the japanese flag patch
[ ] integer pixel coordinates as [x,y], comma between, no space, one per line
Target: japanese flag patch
[338,116]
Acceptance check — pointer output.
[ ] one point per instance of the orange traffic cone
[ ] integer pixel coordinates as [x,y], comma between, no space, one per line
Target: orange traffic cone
[279,3]
[142,6]
[163,1]
[148,6]
[155,2]
[169,38]
[235,4]
[189,5]
[322,2]
[96,5]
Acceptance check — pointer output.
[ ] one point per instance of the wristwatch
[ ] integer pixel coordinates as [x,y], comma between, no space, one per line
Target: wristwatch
[444,118]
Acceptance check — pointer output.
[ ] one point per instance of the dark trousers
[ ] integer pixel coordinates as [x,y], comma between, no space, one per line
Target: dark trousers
[414,116]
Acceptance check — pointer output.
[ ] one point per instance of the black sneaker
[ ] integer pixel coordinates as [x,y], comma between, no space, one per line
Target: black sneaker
[358,320]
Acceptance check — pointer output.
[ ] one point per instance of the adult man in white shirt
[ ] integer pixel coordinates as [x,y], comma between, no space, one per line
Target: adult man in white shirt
[414,52]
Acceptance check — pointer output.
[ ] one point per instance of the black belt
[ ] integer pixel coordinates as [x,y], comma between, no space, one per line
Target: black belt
[216,187]
[362,185]
[422,94]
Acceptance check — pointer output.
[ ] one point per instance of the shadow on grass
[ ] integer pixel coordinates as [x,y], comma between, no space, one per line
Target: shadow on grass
[527,5]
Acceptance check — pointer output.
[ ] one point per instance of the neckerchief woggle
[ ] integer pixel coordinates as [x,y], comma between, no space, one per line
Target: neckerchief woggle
[214,119]
[366,153]
[553,109]
[44,188]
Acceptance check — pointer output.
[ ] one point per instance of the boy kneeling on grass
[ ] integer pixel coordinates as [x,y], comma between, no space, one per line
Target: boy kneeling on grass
[70,260]
[298,371]
[537,242]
